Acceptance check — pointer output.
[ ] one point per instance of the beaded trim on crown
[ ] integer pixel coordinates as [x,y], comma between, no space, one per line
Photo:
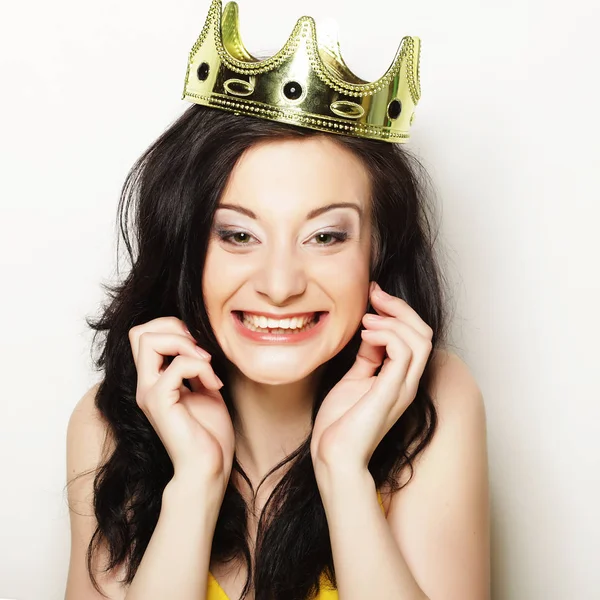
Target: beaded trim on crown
[307,83]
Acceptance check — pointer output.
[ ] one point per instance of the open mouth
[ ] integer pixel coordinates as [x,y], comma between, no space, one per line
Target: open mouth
[292,326]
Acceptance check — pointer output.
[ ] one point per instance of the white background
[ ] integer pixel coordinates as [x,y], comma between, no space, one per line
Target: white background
[508,127]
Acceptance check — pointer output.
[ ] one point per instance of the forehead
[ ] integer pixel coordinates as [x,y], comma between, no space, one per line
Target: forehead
[296,175]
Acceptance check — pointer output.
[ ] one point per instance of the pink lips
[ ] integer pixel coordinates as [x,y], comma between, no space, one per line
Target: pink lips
[281,338]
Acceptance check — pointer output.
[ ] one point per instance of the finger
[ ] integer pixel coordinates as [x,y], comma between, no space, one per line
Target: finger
[158,325]
[400,327]
[152,349]
[379,408]
[392,306]
[420,346]
[368,360]
[183,367]
[388,382]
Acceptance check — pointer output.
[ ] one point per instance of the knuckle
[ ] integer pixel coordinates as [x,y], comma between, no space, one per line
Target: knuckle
[150,398]
[183,363]
[180,359]
[405,347]
[172,321]
[145,337]
[133,333]
[140,397]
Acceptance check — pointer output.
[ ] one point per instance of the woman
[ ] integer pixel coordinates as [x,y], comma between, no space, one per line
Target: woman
[278,417]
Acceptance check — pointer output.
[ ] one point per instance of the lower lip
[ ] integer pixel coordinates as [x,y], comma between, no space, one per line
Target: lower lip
[281,338]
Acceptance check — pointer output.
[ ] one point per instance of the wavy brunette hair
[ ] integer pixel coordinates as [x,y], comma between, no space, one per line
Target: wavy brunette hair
[165,214]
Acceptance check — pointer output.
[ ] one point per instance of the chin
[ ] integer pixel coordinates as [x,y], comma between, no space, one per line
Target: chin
[278,373]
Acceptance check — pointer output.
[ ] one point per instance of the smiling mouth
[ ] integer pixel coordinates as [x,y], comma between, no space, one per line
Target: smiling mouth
[285,326]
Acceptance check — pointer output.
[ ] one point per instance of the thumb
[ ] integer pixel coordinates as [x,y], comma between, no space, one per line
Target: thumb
[368,360]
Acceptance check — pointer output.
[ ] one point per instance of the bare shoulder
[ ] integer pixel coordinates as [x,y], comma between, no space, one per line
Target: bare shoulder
[87,432]
[89,444]
[460,411]
[440,518]
[453,387]
[457,399]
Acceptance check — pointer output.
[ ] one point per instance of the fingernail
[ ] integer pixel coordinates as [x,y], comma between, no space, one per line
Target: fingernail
[371,317]
[381,293]
[203,353]
[377,289]
[219,381]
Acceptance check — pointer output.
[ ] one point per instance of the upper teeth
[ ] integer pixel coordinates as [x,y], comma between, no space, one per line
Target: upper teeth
[264,323]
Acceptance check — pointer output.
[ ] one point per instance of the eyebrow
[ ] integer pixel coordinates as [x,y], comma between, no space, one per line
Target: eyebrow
[311,215]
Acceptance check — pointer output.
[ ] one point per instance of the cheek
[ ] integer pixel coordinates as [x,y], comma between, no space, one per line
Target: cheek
[350,268]
[348,284]
[214,286]
[351,299]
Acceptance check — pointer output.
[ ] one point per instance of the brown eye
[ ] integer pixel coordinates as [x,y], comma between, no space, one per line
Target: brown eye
[236,238]
[240,236]
[324,237]
[330,238]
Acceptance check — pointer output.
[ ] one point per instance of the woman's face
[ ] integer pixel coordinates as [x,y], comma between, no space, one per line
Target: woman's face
[279,247]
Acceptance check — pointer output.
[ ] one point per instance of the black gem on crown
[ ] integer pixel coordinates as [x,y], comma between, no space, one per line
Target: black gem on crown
[202,71]
[394,109]
[292,90]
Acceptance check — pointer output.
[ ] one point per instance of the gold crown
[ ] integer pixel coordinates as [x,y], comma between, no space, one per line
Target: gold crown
[307,83]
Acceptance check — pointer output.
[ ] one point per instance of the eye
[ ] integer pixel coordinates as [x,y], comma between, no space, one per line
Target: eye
[237,238]
[240,237]
[325,237]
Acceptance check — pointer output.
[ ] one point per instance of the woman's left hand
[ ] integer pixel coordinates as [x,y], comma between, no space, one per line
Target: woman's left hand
[361,408]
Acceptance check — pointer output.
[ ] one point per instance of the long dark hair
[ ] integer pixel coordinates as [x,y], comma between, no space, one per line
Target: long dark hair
[164,215]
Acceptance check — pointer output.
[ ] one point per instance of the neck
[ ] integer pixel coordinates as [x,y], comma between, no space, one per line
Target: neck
[271,422]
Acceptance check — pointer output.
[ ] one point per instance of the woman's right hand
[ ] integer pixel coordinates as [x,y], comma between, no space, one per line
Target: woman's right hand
[194,426]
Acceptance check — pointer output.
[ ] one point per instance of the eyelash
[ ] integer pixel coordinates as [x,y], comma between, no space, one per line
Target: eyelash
[226,234]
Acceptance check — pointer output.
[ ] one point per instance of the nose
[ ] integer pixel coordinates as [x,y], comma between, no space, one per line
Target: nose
[281,276]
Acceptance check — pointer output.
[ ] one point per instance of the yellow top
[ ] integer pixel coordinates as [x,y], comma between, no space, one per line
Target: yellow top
[215,591]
